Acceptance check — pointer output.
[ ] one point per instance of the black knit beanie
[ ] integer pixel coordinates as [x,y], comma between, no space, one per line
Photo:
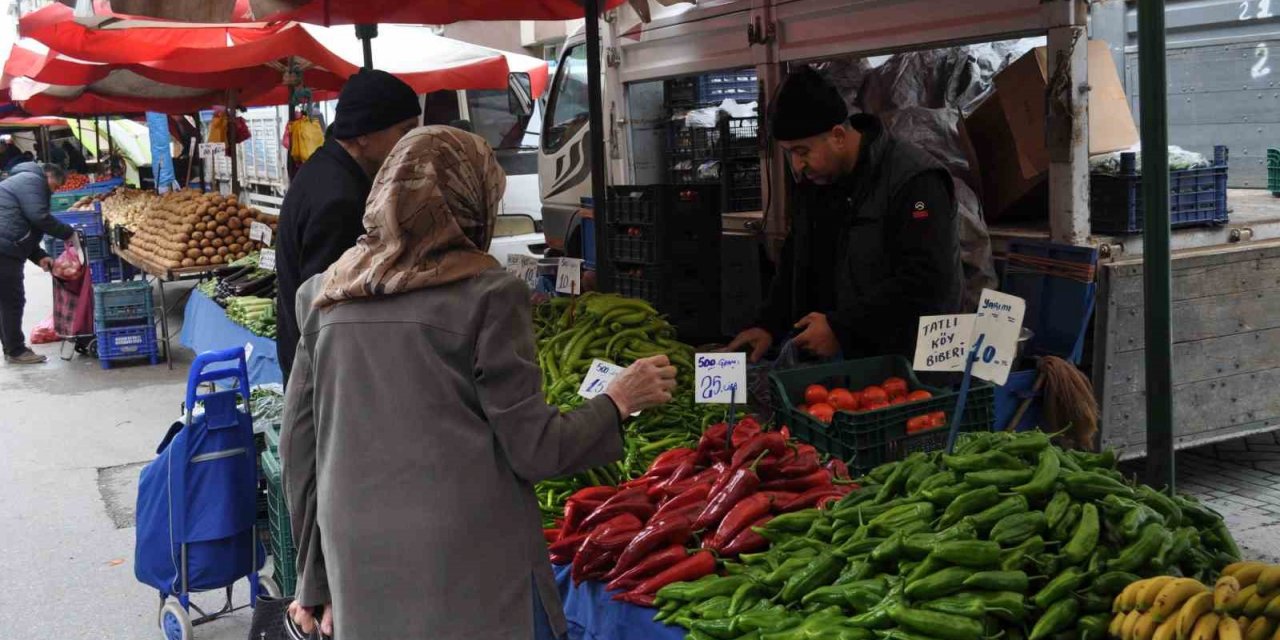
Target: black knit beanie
[806,105]
[373,100]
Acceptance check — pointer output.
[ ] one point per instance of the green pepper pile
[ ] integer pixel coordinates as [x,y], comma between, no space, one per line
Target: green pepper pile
[571,333]
[1009,536]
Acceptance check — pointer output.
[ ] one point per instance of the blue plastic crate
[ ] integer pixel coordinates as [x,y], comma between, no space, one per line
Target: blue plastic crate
[110,269]
[95,247]
[121,304]
[1059,307]
[88,223]
[127,343]
[1018,388]
[1197,197]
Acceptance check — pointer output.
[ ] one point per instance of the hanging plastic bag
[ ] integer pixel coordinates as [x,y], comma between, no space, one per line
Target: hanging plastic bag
[307,136]
[68,266]
[44,332]
[242,130]
[218,128]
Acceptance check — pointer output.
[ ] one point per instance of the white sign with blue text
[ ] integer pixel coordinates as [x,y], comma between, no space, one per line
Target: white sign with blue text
[720,378]
[599,376]
[943,341]
[996,328]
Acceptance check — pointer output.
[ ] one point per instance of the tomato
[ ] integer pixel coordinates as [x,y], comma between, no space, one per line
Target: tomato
[918,395]
[895,386]
[842,400]
[919,423]
[938,418]
[875,406]
[804,408]
[874,394]
[899,399]
[815,393]
[823,412]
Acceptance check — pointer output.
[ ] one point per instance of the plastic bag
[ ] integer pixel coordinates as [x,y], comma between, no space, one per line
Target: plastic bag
[218,128]
[68,266]
[305,137]
[44,332]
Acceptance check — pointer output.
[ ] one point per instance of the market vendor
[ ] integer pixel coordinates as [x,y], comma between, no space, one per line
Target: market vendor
[323,212]
[24,221]
[874,235]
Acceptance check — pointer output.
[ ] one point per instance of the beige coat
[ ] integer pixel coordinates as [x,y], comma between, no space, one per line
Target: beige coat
[415,430]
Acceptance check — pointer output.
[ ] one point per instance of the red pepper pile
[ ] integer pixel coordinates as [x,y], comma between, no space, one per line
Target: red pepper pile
[635,535]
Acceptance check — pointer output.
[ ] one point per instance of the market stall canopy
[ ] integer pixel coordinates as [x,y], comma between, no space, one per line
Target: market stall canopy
[18,121]
[331,12]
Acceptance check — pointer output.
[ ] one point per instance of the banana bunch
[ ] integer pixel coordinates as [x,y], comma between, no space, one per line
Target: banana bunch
[1243,605]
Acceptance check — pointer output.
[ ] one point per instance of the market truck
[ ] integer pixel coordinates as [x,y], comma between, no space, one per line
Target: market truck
[1226,276]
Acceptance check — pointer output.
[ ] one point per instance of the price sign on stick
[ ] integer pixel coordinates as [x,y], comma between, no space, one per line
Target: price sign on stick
[524,268]
[942,342]
[569,276]
[994,342]
[260,232]
[267,259]
[598,378]
[212,149]
[720,378]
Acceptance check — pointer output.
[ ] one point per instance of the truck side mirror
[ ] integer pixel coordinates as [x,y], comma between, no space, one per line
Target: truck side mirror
[519,94]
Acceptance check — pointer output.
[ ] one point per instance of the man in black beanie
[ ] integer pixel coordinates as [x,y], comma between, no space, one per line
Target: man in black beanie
[874,233]
[323,212]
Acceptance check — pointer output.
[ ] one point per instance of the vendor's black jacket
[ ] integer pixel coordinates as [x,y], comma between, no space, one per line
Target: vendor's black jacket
[874,251]
[322,216]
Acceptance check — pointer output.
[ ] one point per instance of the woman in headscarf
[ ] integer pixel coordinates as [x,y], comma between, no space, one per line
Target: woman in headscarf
[415,426]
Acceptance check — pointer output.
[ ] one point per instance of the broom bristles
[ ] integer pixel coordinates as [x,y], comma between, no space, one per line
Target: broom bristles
[1069,403]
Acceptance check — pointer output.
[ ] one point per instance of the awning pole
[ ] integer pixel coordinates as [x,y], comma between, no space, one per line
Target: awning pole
[1156,266]
[231,141]
[97,144]
[111,149]
[366,33]
[599,166]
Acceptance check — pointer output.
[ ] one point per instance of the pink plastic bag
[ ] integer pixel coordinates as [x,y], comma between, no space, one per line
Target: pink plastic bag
[44,332]
[68,266]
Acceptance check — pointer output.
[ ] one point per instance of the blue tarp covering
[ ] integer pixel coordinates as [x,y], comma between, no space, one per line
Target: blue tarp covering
[205,327]
[594,615]
[161,161]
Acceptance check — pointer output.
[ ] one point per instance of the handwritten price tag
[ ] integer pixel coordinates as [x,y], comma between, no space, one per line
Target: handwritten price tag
[995,335]
[942,342]
[524,268]
[267,259]
[569,276]
[599,376]
[260,233]
[212,149]
[721,378]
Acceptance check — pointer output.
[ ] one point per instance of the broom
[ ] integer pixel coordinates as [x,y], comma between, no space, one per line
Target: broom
[1069,405]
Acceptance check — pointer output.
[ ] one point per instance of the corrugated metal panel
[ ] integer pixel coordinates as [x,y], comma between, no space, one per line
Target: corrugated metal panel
[1224,70]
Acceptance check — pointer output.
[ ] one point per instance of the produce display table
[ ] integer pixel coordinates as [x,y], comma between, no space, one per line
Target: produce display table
[205,327]
[163,275]
[593,614]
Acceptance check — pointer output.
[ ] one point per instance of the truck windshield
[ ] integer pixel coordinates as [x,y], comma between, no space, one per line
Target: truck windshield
[513,138]
[571,102]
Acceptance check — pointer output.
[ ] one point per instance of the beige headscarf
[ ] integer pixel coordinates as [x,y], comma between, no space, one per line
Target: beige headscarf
[428,221]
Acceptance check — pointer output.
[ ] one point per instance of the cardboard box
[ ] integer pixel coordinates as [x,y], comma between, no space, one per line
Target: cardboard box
[1008,129]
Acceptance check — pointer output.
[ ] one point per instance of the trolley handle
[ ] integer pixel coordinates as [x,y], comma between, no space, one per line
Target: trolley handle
[199,375]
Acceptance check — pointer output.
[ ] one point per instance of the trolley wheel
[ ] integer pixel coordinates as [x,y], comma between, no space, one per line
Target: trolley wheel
[175,622]
[269,587]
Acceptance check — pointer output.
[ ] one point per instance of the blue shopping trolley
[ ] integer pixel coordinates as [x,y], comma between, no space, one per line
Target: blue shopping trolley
[197,500]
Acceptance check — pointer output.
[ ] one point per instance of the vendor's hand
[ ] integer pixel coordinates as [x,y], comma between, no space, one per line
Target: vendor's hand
[816,336]
[306,620]
[46,263]
[758,339]
[647,383]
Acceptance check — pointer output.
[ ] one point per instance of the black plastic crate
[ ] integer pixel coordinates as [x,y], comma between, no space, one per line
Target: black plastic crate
[867,439]
[1197,197]
[740,85]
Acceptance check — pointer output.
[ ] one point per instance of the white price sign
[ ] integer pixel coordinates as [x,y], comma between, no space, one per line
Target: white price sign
[212,149]
[260,232]
[267,260]
[942,342]
[720,378]
[248,351]
[524,268]
[569,276]
[599,376]
[995,335]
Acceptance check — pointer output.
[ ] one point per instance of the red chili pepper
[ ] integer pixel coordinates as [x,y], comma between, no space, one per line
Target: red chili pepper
[640,507]
[799,483]
[781,497]
[567,544]
[803,464]
[748,510]
[658,534]
[838,469]
[654,564]
[638,599]
[551,535]
[746,429]
[770,441]
[604,552]
[785,431]
[711,446]
[666,463]
[695,566]
[575,511]
[706,476]
[643,482]
[682,472]
[747,541]
[593,494]
[697,493]
[742,483]
[810,498]
[592,546]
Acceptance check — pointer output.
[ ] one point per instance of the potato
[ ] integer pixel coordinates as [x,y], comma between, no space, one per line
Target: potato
[216,242]
[216,260]
[221,217]
[208,219]
[222,230]
[199,227]
[233,248]
[233,223]
[188,262]
[185,236]
[202,261]
[193,253]
[206,243]
[210,234]
[208,251]
[222,251]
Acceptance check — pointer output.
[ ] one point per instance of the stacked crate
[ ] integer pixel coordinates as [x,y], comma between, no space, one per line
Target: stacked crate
[104,266]
[283,551]
[122,319]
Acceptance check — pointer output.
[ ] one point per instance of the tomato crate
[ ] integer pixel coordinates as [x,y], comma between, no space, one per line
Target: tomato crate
[122,304]
[127,343]
[867,439]
[283,552]
[1197,197]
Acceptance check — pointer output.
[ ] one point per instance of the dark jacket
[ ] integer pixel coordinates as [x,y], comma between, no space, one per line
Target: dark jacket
[322,216]
[873,252]
[24,214]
